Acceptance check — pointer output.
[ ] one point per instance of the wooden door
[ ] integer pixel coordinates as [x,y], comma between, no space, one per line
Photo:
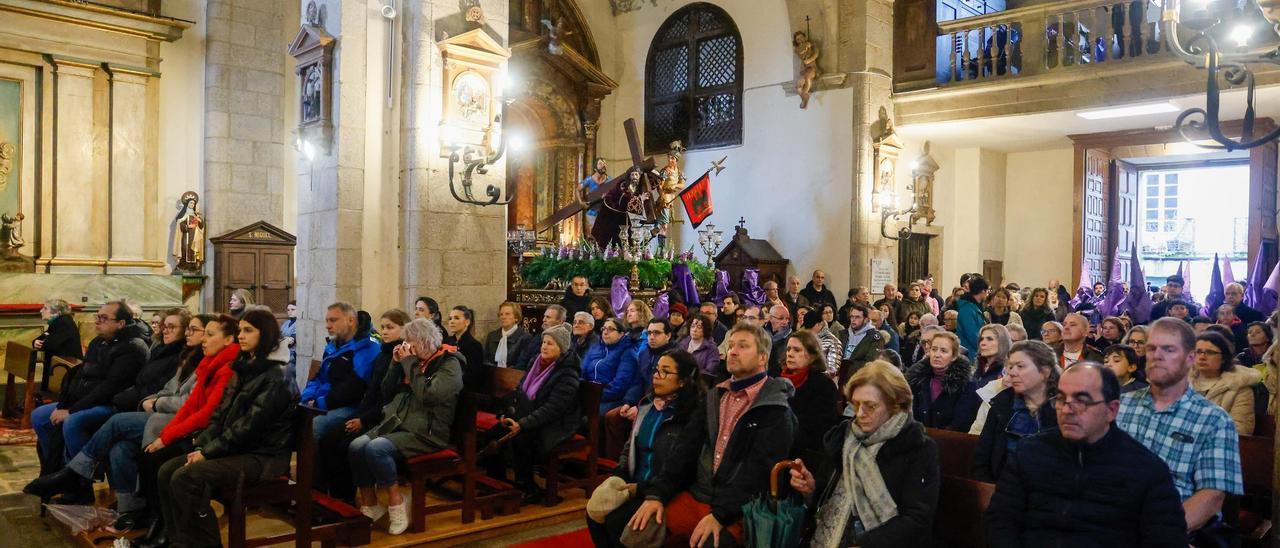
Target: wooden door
[275,278]
[913,259]
[1094,202]
[1263,233]
[1124,214]
[993,271]
[241,273]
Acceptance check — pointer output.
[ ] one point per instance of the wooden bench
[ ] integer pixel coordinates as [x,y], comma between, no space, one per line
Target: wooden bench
[18,364]
[580,448]
[350,528]
[1257,463]
[960,520]
[955,451]
[456,461]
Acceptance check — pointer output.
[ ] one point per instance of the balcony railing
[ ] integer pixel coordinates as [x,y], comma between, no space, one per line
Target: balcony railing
[1045,38]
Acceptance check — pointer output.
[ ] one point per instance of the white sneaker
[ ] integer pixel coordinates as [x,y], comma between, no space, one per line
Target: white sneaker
[374,513]
[399,517]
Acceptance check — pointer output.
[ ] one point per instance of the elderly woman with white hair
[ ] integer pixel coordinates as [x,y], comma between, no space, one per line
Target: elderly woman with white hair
[583,334]
[422,385]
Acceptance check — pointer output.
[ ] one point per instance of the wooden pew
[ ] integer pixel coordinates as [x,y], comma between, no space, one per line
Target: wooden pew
[457,461]
[1257,464]
[350,528]
[579,448]
[17,365]
[959,518]
[955,451]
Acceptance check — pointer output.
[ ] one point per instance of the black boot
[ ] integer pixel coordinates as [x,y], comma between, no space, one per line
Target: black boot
[133,521]
[62,482]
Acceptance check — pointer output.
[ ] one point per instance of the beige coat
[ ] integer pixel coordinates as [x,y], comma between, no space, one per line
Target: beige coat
[1233,391]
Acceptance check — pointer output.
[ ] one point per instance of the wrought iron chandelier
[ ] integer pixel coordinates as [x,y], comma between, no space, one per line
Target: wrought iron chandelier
[1215,35]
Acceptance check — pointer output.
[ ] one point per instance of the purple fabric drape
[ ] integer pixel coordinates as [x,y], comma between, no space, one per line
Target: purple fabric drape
[662,305]
[751,292]
[1115,290]
[620,295]
[722,286]
[682,281]
[1217,291]
[1138,302]
[1255,293]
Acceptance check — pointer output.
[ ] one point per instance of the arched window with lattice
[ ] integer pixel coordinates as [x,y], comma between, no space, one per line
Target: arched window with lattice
[693,81]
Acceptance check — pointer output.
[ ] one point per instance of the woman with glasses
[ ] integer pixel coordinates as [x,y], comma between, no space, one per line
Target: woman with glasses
[878,485]
[656,433]
[611,362]
[1021,410]
[1216,377]
[1136,338]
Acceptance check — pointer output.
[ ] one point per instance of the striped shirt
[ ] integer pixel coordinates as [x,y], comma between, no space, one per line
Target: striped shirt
[1194,437]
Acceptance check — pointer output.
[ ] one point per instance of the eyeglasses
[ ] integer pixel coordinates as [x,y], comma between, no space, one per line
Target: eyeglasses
[193,329]
[607,328]
[1203,352]
[1075,406]
[660,374]
[778,318]
[101,318]
[170,327]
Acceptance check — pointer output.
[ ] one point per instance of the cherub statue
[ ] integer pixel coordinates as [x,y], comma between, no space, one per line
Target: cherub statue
[809,70]
[11,233]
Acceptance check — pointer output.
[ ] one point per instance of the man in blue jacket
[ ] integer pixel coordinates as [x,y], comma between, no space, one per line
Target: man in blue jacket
[344,371]
[970,318]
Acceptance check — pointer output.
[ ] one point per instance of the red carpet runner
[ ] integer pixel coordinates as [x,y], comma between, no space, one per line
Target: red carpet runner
[574,539]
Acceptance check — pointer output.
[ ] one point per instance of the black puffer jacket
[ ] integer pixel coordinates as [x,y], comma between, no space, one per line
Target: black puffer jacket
[255,415]
[955,407]
[1112,493]
[61,338]
[554,413]
[159,368]
[110,366]
[909,465]
[574,304]
[991,452]
[760,439]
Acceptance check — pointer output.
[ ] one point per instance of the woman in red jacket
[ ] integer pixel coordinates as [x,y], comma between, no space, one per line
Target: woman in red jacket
[212,376]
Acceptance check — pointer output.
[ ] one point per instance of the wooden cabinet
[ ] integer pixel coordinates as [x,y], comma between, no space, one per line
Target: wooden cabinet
[259,258]
[745,252]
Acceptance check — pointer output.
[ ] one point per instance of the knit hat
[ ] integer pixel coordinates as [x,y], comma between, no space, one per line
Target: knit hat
[607,497]
[559,335]
[679,308]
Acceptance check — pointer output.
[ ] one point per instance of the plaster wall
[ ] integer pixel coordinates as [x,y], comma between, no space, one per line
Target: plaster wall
[1038,216]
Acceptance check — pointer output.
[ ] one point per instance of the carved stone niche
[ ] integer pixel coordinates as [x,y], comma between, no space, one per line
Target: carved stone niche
[312,50]
[472,106]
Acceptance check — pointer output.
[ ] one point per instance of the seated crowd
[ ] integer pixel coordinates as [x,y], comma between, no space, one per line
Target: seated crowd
[1094,431]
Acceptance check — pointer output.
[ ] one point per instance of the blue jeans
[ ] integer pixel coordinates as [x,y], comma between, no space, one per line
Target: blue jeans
[118,441]
[332,421]
[76,429]
[373,461]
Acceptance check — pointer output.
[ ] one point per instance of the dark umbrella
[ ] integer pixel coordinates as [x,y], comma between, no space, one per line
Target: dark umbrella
[772,521]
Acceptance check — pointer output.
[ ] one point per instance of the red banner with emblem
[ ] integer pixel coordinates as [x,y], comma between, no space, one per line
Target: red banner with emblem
[697,199]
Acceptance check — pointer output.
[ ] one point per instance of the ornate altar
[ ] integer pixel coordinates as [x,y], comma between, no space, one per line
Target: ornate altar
[745,252]
[312,49]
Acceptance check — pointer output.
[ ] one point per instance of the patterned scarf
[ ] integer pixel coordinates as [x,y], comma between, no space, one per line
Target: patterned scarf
[861,492]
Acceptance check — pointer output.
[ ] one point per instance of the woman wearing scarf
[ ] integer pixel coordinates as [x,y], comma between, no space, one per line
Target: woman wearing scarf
[657,431]
[816,397]
[548,412]
[880,486]
[421,386]
[502,346]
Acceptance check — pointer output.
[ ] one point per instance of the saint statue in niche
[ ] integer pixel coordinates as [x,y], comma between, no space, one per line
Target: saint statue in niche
[188,235]
[311,94]
[672,183]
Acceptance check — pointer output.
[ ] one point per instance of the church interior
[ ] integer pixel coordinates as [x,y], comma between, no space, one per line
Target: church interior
[293,154]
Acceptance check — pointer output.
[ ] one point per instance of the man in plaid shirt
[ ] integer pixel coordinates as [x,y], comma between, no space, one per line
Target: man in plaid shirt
[1195,437]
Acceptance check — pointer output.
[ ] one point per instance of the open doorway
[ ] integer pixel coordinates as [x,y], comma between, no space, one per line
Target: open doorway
[1188,213]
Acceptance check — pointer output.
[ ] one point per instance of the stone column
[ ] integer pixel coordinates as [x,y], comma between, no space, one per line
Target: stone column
[244,129]
[452,252]
[866,31]
[80,197]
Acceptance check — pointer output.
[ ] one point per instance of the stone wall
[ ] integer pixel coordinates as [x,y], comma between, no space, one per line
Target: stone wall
[245,135]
